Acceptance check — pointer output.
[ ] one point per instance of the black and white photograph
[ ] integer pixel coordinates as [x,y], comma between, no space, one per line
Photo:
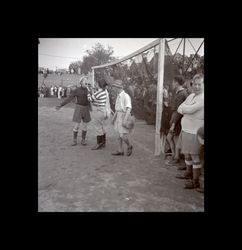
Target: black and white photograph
[121,124]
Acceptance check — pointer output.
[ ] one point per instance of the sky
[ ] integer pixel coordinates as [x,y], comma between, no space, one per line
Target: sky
[60,52]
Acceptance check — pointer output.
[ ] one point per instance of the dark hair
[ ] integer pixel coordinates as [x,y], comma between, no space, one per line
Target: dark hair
[179,79]
[102,84]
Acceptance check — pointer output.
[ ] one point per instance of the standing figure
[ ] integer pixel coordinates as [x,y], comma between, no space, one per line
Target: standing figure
[120,119]
[99,106]
[82,112]
[180,95]
[56,91]
[52,90]
[59,92]
[192,110]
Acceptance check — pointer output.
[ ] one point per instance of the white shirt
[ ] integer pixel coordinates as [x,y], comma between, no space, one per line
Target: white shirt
[123,101]
[192,110]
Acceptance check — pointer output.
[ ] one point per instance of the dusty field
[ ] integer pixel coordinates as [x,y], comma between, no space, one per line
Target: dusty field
[78,179]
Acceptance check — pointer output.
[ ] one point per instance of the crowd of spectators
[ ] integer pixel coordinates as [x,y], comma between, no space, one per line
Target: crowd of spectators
[53,91]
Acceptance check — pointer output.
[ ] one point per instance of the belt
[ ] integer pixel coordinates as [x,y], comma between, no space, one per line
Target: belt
[99,106]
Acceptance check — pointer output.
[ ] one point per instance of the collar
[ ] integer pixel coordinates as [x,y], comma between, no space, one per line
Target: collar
[121,93]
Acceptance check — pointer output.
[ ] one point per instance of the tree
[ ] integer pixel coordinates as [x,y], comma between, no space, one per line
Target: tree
[88,63]
[96,56]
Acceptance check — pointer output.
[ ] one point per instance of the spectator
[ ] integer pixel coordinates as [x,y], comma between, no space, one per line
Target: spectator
[42,91]
[175,122]
[192,110]
[188,87]
[200,137]
[59,92]
[52,90]
[165,118]
[56,91]
[45,73]
[150,104]
[62,92]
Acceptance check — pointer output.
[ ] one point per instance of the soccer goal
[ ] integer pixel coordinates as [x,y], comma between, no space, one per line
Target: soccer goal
[145,73]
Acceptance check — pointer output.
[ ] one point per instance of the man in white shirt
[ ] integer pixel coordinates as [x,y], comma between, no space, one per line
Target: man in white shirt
[192,110]
[120,119]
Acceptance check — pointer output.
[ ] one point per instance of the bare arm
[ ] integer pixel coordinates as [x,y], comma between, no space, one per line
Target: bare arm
[67,100]
[128,110]
[189,109]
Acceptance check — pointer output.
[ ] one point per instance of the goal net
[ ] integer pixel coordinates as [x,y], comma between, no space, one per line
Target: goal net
[146,74]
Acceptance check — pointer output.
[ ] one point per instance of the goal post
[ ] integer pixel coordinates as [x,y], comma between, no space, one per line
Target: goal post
[159,98]
[160,43]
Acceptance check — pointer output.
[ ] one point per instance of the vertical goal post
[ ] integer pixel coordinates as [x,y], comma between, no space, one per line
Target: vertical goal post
[159,97]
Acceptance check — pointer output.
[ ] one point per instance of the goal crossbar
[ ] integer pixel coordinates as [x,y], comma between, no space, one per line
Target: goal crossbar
[143,49]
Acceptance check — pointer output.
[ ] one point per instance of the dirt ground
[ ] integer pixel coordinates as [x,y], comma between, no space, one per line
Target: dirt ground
[78,179]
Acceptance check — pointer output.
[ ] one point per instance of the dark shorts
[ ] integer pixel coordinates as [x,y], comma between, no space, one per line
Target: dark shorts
[165,119]
[177,128]
[81,113]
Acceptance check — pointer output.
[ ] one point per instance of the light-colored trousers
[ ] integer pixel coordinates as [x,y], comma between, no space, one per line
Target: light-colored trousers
[99,120]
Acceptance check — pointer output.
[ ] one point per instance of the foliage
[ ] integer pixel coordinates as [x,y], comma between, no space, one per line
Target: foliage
[96,56]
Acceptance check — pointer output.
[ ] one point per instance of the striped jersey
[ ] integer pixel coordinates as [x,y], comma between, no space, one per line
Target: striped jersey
[98,98]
